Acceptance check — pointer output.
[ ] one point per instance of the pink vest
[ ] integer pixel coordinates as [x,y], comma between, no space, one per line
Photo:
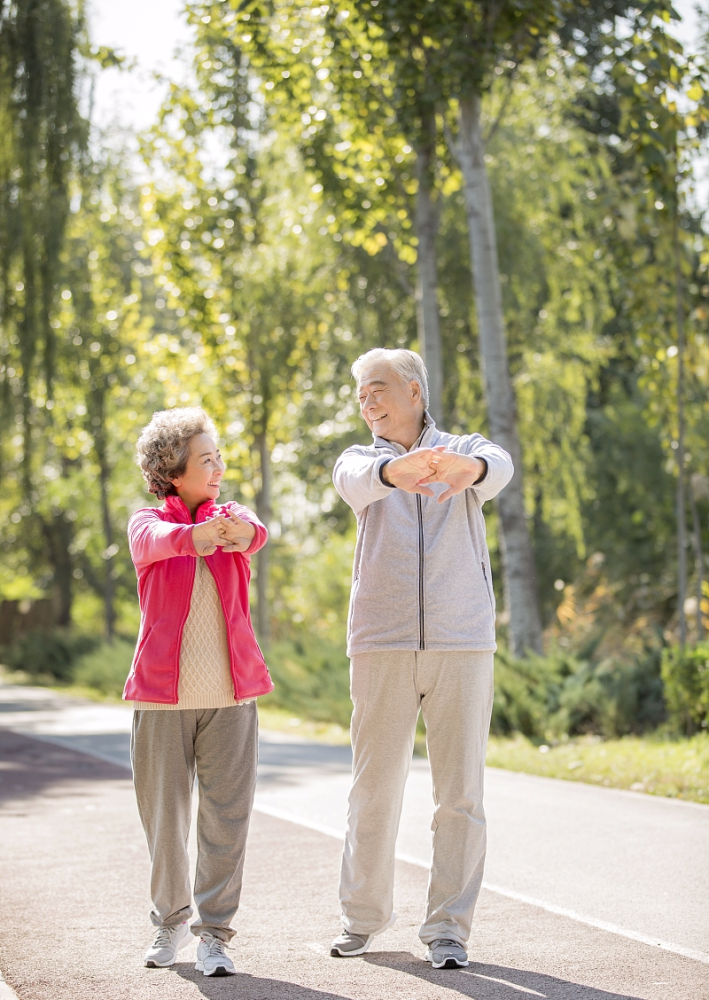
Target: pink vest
[161,547]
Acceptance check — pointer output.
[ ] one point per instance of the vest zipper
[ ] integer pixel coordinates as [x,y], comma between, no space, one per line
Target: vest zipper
[422,630]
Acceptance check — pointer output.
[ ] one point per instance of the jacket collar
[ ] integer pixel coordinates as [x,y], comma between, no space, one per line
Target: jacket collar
[177,510]
[423,441]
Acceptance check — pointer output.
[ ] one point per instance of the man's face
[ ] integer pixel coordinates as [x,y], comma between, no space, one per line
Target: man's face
[391,408]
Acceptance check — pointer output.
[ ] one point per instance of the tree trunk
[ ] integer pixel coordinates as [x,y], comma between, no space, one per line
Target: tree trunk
[525,628]
[681,505]
[263,511]
[109,553]
[426,221]
[698,558]
[58,534]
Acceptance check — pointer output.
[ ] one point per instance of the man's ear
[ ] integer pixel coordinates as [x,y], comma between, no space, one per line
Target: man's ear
[415,391]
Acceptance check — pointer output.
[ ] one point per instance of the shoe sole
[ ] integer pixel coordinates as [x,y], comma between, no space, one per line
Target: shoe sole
[220,970]
[336,953]
[449,963]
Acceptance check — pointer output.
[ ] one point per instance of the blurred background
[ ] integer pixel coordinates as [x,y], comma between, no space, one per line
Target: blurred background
[225,203]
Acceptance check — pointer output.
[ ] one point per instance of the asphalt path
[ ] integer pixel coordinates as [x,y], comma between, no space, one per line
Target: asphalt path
[575,861]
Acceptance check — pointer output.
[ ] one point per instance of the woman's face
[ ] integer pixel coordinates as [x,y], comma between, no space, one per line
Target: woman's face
[203,473]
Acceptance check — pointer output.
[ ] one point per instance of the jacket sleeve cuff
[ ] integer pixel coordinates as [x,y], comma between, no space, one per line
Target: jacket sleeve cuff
[382,480]
[484,475]
[258,541]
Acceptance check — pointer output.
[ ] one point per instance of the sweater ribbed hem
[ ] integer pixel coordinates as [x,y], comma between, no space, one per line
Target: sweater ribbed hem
[193,702]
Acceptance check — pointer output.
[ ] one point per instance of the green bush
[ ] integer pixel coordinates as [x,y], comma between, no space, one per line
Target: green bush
[685,673]
[311,678]
[545,697]
[51,653]
[106,668]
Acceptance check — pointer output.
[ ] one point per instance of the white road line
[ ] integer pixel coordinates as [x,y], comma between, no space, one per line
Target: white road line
[289,817]
[581,918]
[319,949]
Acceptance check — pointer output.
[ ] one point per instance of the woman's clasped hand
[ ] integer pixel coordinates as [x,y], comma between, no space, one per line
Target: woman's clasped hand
[226,531]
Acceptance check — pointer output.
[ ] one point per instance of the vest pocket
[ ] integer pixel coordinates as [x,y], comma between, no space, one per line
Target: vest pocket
[487,585]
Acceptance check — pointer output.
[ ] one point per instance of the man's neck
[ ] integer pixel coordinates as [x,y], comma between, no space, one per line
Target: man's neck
[407,439]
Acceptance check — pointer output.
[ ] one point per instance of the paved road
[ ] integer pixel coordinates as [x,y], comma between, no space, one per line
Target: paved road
[631,864]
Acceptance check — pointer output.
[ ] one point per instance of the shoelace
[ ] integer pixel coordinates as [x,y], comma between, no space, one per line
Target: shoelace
[216,946]
[163,938]
[446,943]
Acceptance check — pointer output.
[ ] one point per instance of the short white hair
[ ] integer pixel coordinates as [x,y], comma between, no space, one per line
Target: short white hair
[408,366]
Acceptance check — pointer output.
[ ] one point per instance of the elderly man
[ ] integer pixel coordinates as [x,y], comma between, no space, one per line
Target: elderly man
[421,637]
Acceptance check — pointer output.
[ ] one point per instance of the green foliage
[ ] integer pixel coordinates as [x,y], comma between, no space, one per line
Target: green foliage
[105,668]
[546,697]
[685,673]
[51,654]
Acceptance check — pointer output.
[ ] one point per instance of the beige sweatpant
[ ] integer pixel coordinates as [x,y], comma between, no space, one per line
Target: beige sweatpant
[220,745]
[454,692]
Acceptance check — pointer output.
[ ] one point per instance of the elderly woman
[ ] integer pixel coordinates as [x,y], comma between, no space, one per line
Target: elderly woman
[196,672]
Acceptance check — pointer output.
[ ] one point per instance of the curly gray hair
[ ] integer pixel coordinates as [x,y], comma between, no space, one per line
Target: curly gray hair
[164,446]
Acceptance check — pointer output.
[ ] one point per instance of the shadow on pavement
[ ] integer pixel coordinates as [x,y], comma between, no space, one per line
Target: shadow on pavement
[492,982]
[30,768]
[248,987]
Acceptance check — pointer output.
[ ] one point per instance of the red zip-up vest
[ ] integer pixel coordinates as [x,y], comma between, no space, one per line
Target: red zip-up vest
[160,540]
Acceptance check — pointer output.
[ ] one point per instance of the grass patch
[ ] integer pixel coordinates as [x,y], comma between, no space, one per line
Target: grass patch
[283,721]
[677,769]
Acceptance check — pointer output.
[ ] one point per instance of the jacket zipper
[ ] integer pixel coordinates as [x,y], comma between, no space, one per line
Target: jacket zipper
[487,585]
[422,630]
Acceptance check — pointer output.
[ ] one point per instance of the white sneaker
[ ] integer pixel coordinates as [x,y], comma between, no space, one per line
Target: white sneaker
[212,960]
[168,941]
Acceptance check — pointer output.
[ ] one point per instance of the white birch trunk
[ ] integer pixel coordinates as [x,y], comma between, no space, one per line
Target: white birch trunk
[427,317]
[525,626]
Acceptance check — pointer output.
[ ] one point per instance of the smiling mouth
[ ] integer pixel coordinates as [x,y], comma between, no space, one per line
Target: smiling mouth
[215,485]
[380,417]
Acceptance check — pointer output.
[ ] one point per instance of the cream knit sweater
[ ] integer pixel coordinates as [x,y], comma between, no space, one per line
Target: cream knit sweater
[205,674]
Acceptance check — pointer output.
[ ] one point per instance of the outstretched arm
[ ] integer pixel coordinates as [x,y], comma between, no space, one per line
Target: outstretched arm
[360,479]
[472,461]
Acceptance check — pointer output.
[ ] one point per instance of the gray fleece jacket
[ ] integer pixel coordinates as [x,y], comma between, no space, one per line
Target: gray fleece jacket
[421,575]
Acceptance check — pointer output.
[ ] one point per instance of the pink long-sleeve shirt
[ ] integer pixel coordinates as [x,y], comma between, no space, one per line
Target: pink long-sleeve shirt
[161,546]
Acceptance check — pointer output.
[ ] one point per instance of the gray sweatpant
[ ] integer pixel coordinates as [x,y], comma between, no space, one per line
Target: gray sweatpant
[220,745]
[454,691]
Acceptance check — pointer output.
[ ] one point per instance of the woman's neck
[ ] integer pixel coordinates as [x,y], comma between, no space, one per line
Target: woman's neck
[192,505]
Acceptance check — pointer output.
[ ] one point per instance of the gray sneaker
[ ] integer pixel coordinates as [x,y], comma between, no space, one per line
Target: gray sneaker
[347,944]
[168,941]
[447,954]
